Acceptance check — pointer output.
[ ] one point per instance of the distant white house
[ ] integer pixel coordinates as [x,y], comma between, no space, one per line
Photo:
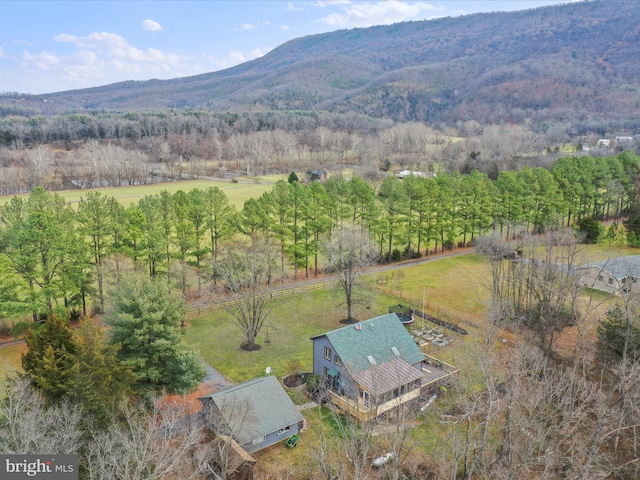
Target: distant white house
[623,139]
[616,276]
[407,173]
[603,142]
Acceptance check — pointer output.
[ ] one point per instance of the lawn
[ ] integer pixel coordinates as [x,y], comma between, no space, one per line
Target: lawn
[237,193]
[10,360]
[293,322]
[461,283]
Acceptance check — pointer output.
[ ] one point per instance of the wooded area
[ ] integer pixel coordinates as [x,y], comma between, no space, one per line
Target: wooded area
[55,257]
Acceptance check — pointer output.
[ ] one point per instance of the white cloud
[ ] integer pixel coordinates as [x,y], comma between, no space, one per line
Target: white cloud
[2,54]
[247,26]
[101,58]
[366,14]
[151,25]
[329,3]
[112,45]
[284,27]
[259,52]
[293,7]
[236,56]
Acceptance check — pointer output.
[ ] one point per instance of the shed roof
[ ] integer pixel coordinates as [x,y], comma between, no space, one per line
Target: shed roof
[236,455]
[373,338]
[390,375]
[255,408]
[620,267]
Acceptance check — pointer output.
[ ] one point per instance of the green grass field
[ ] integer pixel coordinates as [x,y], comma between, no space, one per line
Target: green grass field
[237,193]
[291,325]
[461,283]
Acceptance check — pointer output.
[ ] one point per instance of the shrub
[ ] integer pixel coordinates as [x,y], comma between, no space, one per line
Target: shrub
[294,365]
[19,328]
[5,327]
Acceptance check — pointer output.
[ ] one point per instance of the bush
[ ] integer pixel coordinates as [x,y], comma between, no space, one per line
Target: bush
[294,365]
[591,230]
[19,328]
[316,388]
[396,255]
[5,327]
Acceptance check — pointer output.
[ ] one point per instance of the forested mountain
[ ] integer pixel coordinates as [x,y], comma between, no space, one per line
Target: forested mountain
[572,64]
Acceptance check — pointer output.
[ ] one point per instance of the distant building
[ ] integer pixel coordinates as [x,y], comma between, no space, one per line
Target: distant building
[317,176]
[616,276]
[624,139]
[407,173]
[603,142]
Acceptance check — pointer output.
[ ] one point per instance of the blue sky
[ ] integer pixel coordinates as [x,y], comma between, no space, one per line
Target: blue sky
[50,46]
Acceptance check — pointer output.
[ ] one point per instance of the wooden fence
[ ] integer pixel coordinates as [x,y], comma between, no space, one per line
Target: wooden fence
[451,315]
[439,311]
[194,310]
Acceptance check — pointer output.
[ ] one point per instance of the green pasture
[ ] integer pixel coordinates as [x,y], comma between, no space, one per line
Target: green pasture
[237,193]
[461,283]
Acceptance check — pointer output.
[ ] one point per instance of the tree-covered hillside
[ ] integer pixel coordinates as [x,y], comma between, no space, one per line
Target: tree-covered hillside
[573,63]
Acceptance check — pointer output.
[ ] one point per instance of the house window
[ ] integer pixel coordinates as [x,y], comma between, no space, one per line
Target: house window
[327,353]
[284,430]
[599,278]
[366,398]
[337,360]
[259,440]
[611,281]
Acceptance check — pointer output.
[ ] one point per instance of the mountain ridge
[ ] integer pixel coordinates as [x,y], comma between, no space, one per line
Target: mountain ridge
[572,62]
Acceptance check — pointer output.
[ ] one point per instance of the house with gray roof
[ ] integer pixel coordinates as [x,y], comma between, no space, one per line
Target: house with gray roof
[256,414]
[616,275]
[373,366]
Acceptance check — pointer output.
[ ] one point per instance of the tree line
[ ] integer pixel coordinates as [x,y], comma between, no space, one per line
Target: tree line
[54,257]
[115,149]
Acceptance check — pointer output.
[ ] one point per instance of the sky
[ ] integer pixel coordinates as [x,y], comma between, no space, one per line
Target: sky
[50,46]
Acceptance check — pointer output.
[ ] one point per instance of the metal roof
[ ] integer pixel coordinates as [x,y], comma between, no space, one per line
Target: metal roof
[373,338]
[390,375]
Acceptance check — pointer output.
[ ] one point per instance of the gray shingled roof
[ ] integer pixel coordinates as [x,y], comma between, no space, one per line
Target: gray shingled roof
[375,338]
[620,267]
[255,408]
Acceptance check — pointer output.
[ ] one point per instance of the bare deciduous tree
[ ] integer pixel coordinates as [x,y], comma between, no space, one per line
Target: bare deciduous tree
[247,274]
[28,426]
[349,251]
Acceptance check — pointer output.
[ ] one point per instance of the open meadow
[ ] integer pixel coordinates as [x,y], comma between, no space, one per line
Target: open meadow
[238,193]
